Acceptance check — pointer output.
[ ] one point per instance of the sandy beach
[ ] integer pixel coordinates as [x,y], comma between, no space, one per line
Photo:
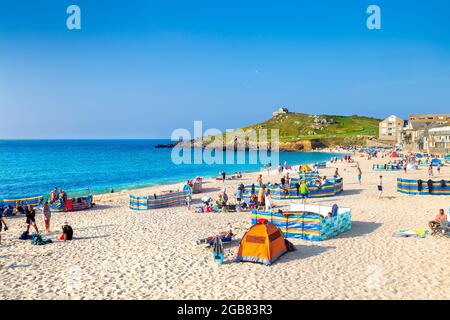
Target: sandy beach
[122,254]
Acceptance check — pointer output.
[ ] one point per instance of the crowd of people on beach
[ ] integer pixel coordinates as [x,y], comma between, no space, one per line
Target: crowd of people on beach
[29,211]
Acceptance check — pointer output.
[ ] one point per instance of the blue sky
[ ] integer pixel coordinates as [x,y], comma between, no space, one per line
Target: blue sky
[140,69]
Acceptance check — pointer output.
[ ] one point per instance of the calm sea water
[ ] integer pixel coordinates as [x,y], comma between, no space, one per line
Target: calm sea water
[36,166]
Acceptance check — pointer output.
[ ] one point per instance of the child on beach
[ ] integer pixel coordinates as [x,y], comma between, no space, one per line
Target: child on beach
[188,201]
[380,186]
[359,175]
[336,173]
[259,180]
[268,201]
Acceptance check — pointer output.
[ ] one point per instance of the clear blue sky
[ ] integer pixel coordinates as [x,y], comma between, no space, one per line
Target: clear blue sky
[139,69]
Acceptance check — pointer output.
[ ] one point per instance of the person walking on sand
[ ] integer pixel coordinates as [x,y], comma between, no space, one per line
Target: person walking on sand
[430,171]
[359,175]
[380,186]
[438,168]
[47,215]
[2,224]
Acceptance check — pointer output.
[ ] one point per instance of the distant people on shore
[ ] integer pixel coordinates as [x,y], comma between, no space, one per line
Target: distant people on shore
[430,171]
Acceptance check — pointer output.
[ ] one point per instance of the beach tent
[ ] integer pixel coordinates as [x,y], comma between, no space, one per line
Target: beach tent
[419,155]
[394,155]
[436,162]
[305,168]
[263,243]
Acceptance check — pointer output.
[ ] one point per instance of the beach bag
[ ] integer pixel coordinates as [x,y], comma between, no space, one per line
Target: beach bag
[24,235]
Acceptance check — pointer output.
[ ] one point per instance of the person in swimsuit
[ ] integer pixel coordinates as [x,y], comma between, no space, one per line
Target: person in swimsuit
[359,175]
[30,216]
[437,221]
[47,215]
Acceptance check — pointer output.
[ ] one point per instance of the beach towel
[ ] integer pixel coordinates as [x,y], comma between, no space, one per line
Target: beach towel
[413,233]
[38,240]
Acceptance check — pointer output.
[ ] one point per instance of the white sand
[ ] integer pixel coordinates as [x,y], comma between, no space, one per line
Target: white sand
[124,254]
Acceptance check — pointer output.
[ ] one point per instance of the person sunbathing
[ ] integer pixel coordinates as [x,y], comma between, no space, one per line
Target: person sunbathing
[437,221]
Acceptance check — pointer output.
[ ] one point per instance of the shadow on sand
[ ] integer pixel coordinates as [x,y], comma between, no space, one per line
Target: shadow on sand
[360,228]
[303,252]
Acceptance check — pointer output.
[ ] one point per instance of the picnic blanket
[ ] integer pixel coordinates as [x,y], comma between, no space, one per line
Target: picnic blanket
[414,233]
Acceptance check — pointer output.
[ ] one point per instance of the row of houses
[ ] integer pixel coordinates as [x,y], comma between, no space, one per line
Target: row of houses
[420,133]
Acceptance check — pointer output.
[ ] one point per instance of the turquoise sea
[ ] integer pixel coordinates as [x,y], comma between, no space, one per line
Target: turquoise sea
[29,167]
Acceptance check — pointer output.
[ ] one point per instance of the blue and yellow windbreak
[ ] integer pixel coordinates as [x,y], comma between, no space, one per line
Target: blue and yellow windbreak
[161,201]
[411,186]
[331,188]
[306,225]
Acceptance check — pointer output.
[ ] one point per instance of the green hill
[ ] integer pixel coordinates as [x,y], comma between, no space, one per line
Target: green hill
[326,128]
[302,132]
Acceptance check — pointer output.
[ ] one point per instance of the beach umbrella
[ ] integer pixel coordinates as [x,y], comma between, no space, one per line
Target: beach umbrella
[418,155]
[394,155]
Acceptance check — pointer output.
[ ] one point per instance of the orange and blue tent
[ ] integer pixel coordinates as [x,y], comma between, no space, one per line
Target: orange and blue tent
[263,243]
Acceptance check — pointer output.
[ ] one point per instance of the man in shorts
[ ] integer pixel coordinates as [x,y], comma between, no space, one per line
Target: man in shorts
[437,221]
[30,216]
[303,191]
